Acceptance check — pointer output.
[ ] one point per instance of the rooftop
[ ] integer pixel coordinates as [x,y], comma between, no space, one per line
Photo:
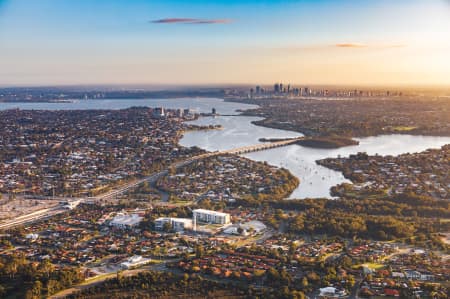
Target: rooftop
[126,220]
[203,211]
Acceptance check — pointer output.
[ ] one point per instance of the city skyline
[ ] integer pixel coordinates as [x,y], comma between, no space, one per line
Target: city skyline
[224,42]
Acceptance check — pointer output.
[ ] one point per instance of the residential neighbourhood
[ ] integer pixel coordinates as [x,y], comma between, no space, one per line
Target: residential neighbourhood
[230,149]
[221,218]
[425,173]
[227,178]
[82,153]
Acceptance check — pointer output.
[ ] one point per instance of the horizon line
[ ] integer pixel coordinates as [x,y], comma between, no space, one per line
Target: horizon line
[220,85]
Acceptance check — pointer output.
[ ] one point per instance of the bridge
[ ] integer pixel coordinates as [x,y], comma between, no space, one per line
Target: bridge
[261,146]
[46,213]
[235,151]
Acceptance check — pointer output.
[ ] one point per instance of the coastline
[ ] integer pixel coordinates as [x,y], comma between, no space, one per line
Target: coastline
[268,122]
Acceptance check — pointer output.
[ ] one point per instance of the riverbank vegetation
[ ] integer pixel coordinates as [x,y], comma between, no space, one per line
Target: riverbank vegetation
[318,142]
[327,142]
[190,127]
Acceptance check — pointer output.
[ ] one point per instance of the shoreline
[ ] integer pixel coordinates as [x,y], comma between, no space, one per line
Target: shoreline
[400,130]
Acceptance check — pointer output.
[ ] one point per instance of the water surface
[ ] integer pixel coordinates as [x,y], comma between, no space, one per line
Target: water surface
[315,180]
[238,131]
[198,104]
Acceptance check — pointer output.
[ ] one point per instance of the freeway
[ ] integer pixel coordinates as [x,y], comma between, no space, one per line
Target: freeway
[41,214]
[49,212]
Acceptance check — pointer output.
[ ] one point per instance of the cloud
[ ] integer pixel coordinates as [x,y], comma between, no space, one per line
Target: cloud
[371,46]
[343,46]
[190,21]
[351,45]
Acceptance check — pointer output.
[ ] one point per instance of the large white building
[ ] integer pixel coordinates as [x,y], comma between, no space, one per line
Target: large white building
[126,221]
[134,261]
[177,224]
[332,292]
[207,216]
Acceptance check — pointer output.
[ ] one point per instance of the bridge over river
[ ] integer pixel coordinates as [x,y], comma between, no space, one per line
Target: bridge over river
[235,151]
[46,213]
[262,146]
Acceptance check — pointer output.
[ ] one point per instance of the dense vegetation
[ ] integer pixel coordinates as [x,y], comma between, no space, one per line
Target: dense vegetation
[167,285]
[407,205]
[402,217]
[21,279]
[327,142]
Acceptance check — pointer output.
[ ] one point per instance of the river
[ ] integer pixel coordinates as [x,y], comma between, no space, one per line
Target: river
[238,131]
[198,104]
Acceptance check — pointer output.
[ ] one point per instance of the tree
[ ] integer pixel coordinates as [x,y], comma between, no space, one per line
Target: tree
[199,251]
[350,281]
[52,286]
[29,295]
[313,276]
[273,274]
[305,282]
[36,289]
[46,267]
[172,170]
[346,261]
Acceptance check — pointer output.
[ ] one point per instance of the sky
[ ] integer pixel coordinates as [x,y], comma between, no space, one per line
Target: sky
[180,42]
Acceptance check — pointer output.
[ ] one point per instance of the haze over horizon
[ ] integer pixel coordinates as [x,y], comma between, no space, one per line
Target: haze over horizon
[174,42]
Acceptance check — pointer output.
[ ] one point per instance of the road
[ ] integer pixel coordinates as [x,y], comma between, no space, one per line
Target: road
[96,280]
[41,214]
[46,213]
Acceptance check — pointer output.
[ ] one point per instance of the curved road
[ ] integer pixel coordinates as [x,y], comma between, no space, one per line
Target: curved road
[49,212]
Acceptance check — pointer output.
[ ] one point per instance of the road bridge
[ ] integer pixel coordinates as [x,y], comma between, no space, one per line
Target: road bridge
[262,146]
[46,213]
[235,151]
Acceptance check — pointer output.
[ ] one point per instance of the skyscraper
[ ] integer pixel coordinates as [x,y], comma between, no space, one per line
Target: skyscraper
[306,91]
[276,88]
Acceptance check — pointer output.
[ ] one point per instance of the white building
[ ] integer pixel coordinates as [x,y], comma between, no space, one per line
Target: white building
[207,216]
[126,221]
[70,204]
[332,292]
[159,112]
[416,275]
[253,226]
[234,230]
[177,224]
[134,261]
[32,237]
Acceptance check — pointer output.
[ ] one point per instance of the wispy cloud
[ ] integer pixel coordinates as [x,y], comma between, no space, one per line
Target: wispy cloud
[371,46]
[343,46]
[190,21]
[351,45]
